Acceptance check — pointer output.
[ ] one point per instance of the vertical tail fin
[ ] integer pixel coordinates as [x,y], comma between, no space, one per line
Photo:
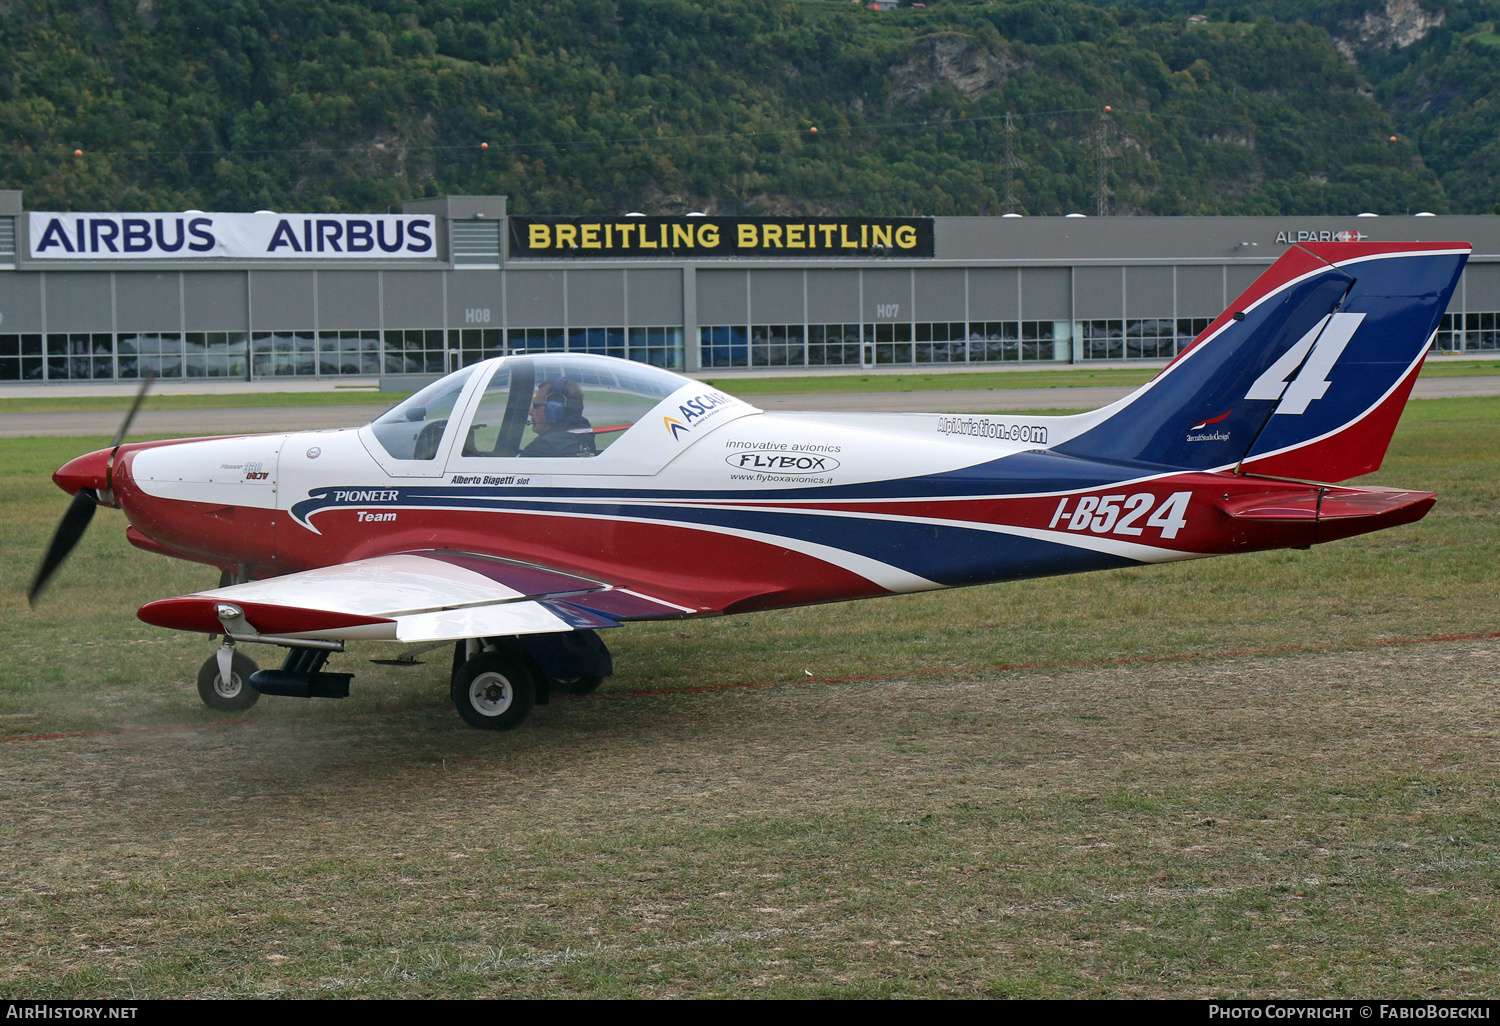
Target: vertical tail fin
[1304,376]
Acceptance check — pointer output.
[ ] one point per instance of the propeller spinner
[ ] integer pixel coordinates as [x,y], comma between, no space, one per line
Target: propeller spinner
[90,476]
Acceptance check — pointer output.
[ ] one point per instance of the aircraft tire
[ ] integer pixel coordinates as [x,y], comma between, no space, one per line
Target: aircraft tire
[494,691]
[577,685]
[239,695]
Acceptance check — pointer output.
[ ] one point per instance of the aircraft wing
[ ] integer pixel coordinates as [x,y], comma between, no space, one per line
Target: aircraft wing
[436,595]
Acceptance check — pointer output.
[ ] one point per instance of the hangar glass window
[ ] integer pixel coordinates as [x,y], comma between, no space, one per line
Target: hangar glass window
[598,341]
[568,406]
[1189,328]
[535,340]
[415,352]
[660,347]
[725,345]
[20,357]
[891,343]
[1481,331]
[755,345]
[1145,339]
[348,353]
[1462,332]
[284,354]
[413,428]
[1458,333]
[992,341]
[1449,339]
[215,354]
[475,344]
[941,342]
[832,344]
[146,352]
[80,356]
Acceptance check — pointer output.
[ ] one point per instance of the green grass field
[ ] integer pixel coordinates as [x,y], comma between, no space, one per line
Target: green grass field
[849,800]
[234,400]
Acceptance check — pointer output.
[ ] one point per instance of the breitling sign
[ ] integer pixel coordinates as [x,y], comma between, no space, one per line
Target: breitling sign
[595,238]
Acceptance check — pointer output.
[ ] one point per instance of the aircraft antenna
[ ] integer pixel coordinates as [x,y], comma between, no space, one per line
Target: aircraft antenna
[1331,265]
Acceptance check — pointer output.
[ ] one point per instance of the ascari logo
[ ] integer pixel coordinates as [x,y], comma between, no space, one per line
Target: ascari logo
[790,462]
[695,409]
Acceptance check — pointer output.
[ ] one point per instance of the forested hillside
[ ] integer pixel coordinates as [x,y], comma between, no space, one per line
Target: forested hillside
[667,105]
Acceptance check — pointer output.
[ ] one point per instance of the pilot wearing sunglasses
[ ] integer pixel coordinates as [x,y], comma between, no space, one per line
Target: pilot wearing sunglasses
[558,420]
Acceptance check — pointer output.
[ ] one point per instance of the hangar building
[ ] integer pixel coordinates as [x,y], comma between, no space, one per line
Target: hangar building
[451,280]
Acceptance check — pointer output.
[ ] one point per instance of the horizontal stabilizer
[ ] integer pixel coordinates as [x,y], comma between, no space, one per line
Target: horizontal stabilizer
[1324,504]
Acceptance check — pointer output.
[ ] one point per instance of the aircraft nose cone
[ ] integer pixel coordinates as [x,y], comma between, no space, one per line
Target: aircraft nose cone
[87,471]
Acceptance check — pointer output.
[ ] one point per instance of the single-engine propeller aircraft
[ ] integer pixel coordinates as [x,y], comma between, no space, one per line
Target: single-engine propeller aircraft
[517,507]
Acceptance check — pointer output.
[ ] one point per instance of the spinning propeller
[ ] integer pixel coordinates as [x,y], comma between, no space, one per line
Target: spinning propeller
[81,510]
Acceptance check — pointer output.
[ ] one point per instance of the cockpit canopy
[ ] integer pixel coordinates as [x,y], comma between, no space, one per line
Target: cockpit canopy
[545,405]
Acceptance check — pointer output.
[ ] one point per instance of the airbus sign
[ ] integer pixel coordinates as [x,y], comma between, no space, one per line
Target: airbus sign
[193,235]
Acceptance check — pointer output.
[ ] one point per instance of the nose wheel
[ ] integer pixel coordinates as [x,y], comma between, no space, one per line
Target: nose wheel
[494,691]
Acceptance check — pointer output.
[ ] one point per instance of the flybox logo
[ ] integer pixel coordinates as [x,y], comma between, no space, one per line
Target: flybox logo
[792,461]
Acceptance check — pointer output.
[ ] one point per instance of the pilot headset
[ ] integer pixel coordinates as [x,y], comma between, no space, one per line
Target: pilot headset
[557,401]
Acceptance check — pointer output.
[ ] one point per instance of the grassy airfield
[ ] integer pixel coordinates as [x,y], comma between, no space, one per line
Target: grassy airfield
[1225,777]
[746,386]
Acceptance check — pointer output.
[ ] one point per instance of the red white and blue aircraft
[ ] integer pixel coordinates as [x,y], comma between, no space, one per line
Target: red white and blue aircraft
[519,506]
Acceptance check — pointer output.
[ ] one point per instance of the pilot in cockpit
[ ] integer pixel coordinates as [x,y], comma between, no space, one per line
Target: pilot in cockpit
[558,420]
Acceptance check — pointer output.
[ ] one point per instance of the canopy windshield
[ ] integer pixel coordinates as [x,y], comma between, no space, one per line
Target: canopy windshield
[413,429]
[562,406]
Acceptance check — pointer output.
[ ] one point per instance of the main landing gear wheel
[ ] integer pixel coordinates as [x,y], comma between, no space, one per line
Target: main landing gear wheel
[235,696]
[494,691]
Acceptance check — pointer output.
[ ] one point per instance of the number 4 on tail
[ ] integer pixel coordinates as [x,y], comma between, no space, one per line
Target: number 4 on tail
[1327,340]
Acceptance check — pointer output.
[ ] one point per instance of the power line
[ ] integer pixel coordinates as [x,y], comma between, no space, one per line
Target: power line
[644,140]
[575,143]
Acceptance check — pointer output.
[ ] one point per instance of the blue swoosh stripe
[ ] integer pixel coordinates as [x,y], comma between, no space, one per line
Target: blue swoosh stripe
[943,553]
